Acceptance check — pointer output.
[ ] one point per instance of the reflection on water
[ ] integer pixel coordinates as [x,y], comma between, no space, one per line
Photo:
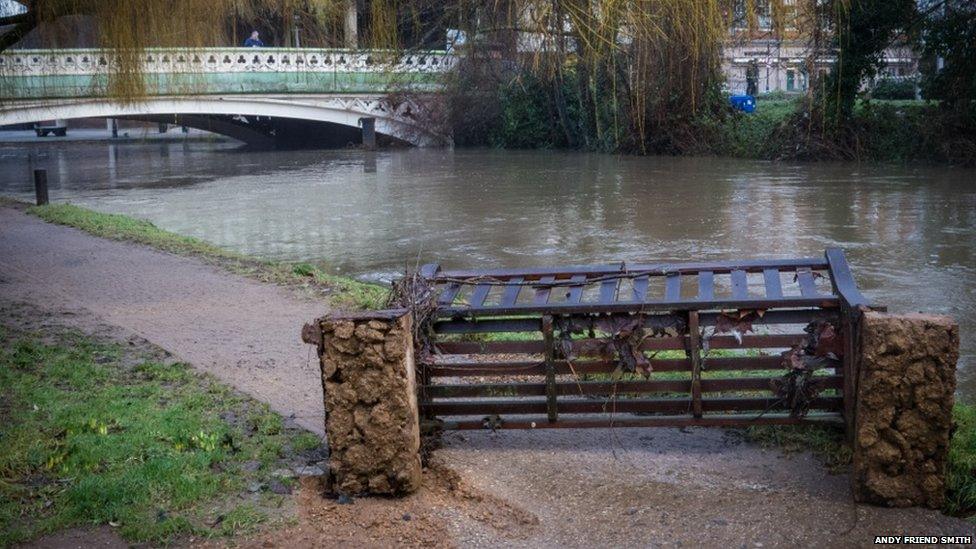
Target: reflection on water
[910,233]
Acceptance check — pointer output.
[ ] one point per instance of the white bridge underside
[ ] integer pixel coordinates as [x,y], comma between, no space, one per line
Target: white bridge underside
[396,121]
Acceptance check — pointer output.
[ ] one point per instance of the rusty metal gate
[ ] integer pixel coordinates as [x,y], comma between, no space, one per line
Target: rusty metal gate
[677,344]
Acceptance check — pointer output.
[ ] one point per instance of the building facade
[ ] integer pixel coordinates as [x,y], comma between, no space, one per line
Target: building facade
[774,65]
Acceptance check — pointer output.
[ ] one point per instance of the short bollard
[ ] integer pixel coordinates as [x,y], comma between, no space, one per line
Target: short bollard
[40,186]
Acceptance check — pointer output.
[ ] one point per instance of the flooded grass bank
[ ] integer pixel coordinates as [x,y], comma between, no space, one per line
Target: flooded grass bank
[341,292]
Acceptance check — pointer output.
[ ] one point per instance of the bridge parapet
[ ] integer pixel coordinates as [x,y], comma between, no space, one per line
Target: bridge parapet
[208,60]
[85,73]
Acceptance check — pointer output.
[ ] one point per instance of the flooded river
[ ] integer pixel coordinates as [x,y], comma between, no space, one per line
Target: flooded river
[909,232]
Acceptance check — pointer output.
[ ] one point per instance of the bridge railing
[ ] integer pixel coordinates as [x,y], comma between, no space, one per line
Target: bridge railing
[87,73]
[218,60]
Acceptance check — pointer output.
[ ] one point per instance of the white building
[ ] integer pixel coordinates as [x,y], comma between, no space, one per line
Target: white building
[781,65]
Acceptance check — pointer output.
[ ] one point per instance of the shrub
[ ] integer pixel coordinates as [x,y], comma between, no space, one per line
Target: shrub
[525,118]
[894,89]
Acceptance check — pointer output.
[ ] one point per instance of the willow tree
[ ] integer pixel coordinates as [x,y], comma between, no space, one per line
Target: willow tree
[128,27]
[862,30]
[610,75]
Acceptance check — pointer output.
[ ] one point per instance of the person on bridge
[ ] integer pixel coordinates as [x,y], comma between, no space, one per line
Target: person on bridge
[253,41]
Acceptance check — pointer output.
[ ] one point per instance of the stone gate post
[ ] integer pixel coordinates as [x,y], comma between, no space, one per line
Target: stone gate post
[371,415]
[903,418]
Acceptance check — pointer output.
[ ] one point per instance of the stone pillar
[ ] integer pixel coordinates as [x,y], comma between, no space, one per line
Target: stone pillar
[368,124]
[903,418]
[371,416]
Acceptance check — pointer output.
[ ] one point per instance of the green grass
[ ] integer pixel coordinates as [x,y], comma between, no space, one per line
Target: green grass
[748,135]
[120,227]
[886,131]
[343,292]
[91,436]
[360,294]
[961,470]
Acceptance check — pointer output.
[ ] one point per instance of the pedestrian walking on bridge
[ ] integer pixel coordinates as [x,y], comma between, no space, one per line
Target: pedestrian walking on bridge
[253,41]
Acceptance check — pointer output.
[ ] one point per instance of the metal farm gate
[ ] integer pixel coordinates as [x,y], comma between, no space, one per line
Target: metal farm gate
[678,344]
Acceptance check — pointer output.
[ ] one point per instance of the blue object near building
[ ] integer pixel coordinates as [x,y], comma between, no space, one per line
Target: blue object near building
[744,103]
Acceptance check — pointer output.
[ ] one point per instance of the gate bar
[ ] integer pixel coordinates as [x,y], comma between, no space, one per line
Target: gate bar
[551,408]
[694,349]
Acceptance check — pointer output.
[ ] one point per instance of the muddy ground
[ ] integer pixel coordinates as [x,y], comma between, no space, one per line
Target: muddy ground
[625,487]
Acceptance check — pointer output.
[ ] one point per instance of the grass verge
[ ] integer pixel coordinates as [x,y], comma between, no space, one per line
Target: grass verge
[342,292]
[961,471]
[96,433]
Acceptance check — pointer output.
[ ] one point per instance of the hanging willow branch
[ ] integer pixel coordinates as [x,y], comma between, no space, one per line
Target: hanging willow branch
[128,27]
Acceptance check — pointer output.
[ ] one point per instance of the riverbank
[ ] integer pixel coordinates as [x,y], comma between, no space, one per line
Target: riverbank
[340,292]
[881,130]
[345,292]
[961,499]
[242,331]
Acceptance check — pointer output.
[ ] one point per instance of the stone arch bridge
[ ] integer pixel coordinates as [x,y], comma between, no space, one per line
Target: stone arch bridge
[261,96]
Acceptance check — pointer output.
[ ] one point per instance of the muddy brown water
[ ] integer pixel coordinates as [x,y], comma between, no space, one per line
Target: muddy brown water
[909,231]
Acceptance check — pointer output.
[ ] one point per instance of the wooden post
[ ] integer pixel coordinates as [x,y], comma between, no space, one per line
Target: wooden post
[850,327]
[694,350]
[40,186]
[550,344]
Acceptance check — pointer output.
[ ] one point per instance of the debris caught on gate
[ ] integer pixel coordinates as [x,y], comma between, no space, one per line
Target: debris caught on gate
[621,338]
[738,322]
[416,294]
[823,348]
[603,345]
[824,340]
[797,389]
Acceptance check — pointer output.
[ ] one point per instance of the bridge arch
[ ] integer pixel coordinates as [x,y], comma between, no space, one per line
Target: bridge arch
[393,120]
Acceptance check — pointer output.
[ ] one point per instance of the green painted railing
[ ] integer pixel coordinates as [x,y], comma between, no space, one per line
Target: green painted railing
[84,73]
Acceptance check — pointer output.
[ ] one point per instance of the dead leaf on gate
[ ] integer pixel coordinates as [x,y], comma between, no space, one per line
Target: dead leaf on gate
[737,322]
[823,340]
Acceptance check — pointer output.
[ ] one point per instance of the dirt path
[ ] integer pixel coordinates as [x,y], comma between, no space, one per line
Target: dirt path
[628,487]
[245,333]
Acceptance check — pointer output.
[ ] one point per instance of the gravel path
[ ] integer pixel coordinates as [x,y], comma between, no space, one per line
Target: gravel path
[626,487]
[674,487]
